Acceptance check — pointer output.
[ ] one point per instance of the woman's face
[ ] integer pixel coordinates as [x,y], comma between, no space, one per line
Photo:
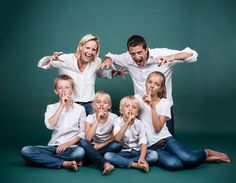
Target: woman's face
[89,51]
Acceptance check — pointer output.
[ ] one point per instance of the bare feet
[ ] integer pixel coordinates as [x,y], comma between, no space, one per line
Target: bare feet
[70,165]
[141,166]
[107,168]
[218,157]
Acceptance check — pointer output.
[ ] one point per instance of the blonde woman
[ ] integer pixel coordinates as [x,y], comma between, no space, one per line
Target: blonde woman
[82,66]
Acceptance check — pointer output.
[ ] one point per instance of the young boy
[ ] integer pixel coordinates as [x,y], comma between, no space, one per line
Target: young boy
[131,132]
[99,132]
[66,120]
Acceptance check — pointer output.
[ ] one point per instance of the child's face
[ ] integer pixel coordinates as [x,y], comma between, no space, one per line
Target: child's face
[101,103]
[154,84]
[64,88]
[129,108]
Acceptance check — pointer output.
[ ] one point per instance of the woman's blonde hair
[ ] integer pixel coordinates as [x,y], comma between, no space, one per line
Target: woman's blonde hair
[85,39]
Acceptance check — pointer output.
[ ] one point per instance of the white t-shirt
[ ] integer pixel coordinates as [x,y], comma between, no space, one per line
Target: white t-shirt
[70,123]
[84,81]
[104,131]
[134,136]
[139,74]
[162,108]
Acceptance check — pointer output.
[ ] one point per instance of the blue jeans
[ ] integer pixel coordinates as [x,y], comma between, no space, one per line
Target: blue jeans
[96,156]
[170,123]
[124,159]
[88,108]
[46,155]
[174,156]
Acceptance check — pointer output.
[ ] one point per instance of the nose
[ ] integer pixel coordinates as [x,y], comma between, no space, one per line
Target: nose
[90,51]
[136,57]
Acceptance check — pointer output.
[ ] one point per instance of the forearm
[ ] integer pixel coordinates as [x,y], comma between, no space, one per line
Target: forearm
[90,131]
[143,151]
[54,118]
[105,143]
[156,121]
[181,56]
[119,136]
[73,141]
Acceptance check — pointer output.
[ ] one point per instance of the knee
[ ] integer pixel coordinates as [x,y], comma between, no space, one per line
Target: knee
[78,153]
[172,164]
[108,156]
[152,155]
[25,151]
[116,146]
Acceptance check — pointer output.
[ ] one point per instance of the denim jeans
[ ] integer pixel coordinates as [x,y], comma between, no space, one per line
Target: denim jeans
[124,159]
[88,108]
[170,123]
[174,156]
[96,156]
[46,155]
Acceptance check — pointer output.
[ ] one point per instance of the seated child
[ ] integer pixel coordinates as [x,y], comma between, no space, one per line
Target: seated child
[66,120]
[131,132]
[99,132]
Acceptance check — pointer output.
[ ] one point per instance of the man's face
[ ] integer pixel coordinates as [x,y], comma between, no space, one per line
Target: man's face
[138,54]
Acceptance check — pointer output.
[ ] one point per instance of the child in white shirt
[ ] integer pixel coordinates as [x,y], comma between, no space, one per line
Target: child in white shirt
[131,132]
[66,120]
[99,132]
[172,155]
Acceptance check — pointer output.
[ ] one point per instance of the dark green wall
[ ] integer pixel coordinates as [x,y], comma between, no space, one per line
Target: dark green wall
[204,92]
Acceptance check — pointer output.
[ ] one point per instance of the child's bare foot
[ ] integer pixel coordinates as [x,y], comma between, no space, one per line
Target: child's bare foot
[215,156]
[144,167]
[107,168]
[141,166]
[70,165]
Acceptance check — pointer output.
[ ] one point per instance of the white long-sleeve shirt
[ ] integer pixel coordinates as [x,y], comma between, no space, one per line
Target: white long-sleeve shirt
[140,74]
[85,81]
[133,137]
[70,123]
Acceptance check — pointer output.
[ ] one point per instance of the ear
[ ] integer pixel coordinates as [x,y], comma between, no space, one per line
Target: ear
[55,91]
[80,47]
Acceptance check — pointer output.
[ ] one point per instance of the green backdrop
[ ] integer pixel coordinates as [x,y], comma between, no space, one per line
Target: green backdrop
[204,92]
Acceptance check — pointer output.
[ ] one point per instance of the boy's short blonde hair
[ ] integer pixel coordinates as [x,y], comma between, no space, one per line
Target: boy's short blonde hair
[124,100]
[64,77]
[107,96]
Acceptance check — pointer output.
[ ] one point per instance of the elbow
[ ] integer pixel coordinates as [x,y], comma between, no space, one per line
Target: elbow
[88,138]
[157,130]
[49,125]
[117,139]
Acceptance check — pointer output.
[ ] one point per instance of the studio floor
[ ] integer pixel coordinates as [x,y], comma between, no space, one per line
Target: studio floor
[14,170]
